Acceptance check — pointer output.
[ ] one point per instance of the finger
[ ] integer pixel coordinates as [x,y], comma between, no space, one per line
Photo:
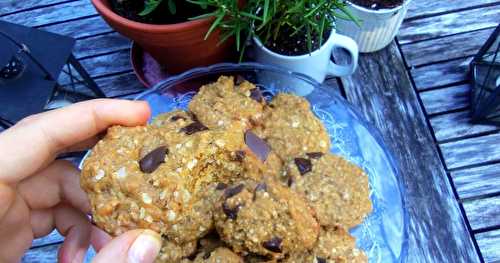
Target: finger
[42,222]
[75,226]
[7,197]
[85,145]
[98,238]
[34,142]
[59,182]
[136,246]
[15,231]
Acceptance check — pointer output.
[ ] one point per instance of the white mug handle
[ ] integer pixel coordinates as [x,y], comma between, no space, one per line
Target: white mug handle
[350,45]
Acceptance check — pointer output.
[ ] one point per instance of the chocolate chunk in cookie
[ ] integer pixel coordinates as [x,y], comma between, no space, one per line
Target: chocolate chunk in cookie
[194,128]
[258,146]
[303,165]
[152,160]
[274,244]
[315,155]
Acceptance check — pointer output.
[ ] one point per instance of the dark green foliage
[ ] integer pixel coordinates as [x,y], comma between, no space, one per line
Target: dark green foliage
[266,19]
[151,5]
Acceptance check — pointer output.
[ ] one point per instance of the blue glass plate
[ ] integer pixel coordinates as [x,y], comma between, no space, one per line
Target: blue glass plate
[383,233]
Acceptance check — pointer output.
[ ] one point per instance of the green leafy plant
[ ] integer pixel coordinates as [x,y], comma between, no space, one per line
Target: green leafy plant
[266,19]
[151,5]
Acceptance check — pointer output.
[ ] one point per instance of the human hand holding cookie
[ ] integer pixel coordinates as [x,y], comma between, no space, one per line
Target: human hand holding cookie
[39,193]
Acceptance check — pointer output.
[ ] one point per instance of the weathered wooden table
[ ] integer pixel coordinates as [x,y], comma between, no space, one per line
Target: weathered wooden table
[415,91]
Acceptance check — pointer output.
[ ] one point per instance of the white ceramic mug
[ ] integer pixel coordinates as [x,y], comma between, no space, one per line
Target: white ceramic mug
[317,64]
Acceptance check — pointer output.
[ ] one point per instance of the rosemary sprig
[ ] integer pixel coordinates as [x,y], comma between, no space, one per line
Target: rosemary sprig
[266,18]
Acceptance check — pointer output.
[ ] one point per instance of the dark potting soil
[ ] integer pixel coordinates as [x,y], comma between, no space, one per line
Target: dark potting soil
[289,43]
[378,4]
[130,9]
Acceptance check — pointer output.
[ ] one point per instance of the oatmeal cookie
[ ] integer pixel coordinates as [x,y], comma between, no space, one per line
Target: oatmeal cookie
[219,255]
[172,252]
[334,244]
[291,129]
[212,250]
[223,104]
[336,189]
[265,218]
[169,129]
[169,189]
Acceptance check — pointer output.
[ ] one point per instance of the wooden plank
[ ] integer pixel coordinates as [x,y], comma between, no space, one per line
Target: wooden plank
[478,181]
[488,244]
[420,8]
[10,6]
[437,230]
[448,24]
[483,213]
[456,125]
[120,85]
[80,28]
[102,44]
[108,64]
[114,85]
[53,238]
[441,74]
[42,254]
[471,151]
[446,99]
[448,48]
[48,254]
[52,14]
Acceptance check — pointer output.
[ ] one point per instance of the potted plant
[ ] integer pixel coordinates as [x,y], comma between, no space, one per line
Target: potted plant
[166,29]
[295,34]
[380,21]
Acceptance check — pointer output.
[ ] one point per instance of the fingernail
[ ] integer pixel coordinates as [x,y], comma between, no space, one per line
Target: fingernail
[145,248]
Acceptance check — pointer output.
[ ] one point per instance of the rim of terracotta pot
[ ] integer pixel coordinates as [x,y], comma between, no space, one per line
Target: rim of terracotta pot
[102,7]
[296,57]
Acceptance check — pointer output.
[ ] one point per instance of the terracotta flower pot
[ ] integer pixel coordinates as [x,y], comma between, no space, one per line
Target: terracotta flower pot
[178,46]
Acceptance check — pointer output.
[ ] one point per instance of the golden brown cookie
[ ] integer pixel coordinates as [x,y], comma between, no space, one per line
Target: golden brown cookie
[334,245]
[168,189]
[219,255]
[291,129]
[171,128]
[336,189]
[212,249]
[265,218]
[223,104]
[172,252]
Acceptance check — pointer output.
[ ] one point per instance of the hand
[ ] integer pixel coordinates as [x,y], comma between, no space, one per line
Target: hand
[38,194]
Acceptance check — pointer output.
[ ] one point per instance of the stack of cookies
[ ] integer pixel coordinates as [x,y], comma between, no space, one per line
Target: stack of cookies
[234,179]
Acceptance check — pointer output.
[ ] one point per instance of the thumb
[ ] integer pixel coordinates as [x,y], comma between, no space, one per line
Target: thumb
[136,246]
